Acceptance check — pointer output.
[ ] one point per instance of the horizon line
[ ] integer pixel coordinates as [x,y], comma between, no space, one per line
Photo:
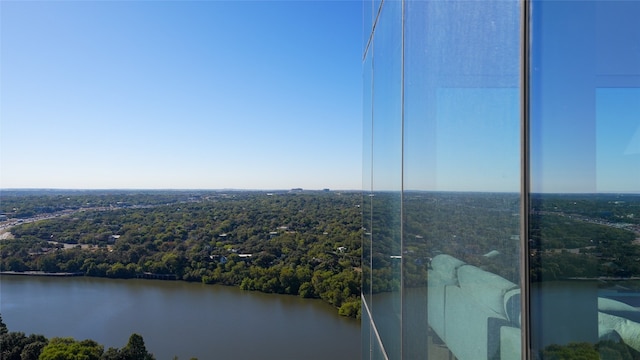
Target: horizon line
[169,189]
[314,189]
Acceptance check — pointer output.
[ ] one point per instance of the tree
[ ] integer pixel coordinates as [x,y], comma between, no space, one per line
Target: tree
[135,349]
[32,350]
[16,264]
[3,326]
[11,345]
[351,309]
[17,346]
[112,354]
[70,349]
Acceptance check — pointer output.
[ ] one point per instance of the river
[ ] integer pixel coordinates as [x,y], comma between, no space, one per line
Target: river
[178,318]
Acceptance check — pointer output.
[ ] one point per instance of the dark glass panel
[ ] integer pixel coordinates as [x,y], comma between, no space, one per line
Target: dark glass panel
[585,179]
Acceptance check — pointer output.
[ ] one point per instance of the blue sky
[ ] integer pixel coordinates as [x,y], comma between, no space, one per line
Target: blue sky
[164,94]
[268,95]
[585,94]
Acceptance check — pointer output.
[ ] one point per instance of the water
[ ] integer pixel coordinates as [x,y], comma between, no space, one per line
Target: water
[179,319]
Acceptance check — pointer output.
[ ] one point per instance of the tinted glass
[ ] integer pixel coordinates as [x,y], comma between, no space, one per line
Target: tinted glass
[585,179]
[366,176]
[462,179]
[445,179]
[387,177]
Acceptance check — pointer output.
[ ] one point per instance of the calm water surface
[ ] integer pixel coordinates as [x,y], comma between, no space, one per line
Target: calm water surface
[179,319]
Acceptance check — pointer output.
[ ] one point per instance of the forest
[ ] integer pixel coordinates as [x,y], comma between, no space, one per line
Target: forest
[310,243]
[299,243]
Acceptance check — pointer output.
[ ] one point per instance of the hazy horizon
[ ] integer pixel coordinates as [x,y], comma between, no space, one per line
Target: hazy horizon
[406,191]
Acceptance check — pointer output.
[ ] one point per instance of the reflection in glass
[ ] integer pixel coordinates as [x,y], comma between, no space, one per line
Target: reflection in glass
[387,177]
[444,188]
[367,335]
[584,233]
[462,179]
[445,176]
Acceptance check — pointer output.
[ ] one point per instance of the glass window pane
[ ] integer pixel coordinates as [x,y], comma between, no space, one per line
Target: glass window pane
[445,165]
[585,179]
[387,177]
[461,180]
[366,186]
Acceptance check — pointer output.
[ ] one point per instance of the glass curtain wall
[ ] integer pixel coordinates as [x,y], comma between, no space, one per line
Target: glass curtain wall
[584,213]
[450,180]
[442,180]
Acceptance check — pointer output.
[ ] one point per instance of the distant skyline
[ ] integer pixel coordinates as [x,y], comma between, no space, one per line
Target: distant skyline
[181,95]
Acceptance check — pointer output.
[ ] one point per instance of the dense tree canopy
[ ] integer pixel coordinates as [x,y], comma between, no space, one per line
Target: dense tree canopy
[305,244]
[310,243]
[70,349]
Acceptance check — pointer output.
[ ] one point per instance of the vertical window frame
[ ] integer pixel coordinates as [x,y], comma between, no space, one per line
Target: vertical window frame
[525,51]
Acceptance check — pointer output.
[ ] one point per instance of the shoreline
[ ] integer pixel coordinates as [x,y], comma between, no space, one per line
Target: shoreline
[41,273]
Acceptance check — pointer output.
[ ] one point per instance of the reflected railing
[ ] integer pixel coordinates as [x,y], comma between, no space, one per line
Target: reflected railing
[459,260]
[476,314]
[584,273]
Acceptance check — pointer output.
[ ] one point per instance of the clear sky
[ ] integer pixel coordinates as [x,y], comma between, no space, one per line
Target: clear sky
[585,92]
[176,94]
[268,95]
